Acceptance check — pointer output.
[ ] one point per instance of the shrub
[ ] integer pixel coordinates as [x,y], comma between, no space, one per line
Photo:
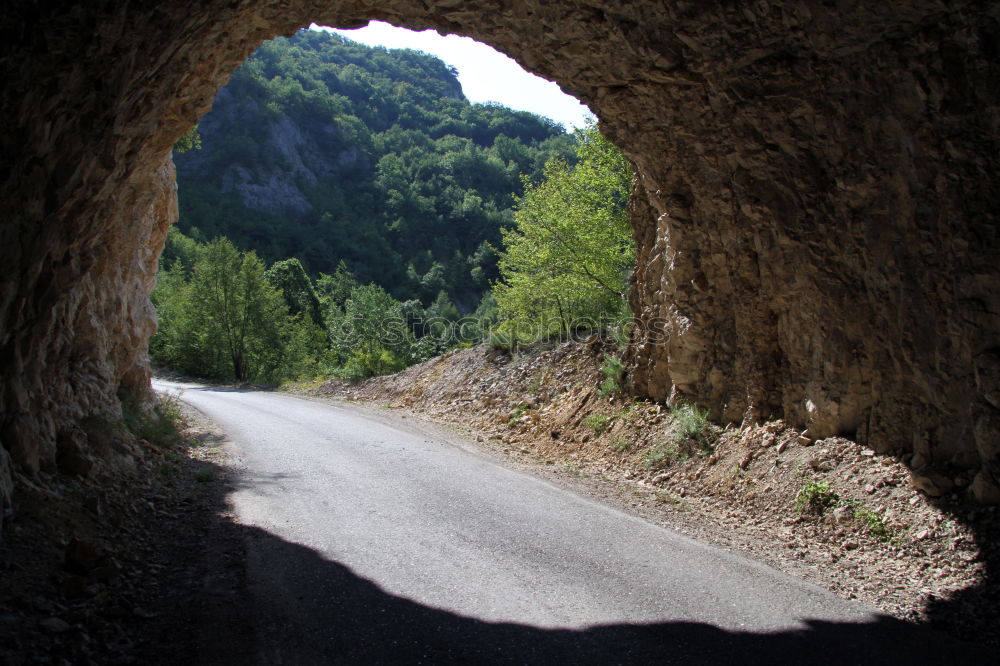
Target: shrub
[875,526]
[614,372]
[662,455]
[160,426]
[815,497]
[599,422]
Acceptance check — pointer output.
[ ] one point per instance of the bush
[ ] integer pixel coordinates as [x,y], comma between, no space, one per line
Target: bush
[614,371]
[816,497]
[690,424]
[599,422]
[874,525]
[160,426]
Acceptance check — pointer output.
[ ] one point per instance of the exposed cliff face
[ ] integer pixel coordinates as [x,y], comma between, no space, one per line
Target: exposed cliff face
[816,214]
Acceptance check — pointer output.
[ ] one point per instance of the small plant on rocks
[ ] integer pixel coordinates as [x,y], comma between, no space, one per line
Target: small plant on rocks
[816,497]
[874,524]
[614,372]
[620,444]
[516,415]
[691,424]
[599,422]
[662,455]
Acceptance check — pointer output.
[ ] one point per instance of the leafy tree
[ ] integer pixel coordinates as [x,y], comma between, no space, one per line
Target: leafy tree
[566,263]
[239,310]
[190,141]
[300,296]
[336,289]
[372,336]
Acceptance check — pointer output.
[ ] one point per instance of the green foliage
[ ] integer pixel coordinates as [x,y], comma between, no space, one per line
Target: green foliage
[516,415]
[394,166]
[372,335]
[620,444]
[690,434]
[334,290]
[226,321]
[815,497]
[565,266]
[290,277]
[662,455]
[690,424]
[874,524]
[599,422]
[160,425]
[614,372]
[204,476]
[190,141]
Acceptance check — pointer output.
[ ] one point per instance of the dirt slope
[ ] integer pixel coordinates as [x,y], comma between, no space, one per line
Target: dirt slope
[830,511]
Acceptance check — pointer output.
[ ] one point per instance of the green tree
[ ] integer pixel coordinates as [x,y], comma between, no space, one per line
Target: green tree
[290,277]
[239,311]
[372,336]
[336,289]
[567,261]
[190,141]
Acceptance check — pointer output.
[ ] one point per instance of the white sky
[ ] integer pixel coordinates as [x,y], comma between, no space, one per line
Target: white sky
[486,74]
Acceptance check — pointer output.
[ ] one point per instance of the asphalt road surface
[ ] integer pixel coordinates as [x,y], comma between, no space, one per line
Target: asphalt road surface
[372,541]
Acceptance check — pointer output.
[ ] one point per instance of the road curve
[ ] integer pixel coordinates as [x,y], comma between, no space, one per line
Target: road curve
[377,542]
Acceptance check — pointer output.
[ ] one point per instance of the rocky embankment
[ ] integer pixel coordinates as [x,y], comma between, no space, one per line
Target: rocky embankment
[830,510]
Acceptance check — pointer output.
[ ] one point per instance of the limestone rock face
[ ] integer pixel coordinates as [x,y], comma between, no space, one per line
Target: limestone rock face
[815,211]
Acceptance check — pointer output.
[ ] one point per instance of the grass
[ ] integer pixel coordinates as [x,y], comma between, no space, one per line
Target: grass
[816,497]
[620,444]
[690,424]
[204,476]
[614,372]
[516,415]
[160,426]
[663,454]
[874,524]
[599,422]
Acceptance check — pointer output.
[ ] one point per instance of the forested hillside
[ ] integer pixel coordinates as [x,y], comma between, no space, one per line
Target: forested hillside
[327,150]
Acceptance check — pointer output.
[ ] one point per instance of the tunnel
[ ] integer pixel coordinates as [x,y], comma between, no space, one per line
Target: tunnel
[815,209]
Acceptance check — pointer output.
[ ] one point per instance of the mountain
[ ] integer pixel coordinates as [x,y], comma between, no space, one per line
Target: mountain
[324,149]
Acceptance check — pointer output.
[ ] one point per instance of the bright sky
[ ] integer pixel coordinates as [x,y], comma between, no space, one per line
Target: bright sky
[486,74]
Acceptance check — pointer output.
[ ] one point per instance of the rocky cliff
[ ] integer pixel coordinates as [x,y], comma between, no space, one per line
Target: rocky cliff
[816,213]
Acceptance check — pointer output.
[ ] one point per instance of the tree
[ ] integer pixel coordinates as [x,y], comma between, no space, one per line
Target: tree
[336,289]
[290,277]
[372,335]
[239,311]
[190,141]
[566,264]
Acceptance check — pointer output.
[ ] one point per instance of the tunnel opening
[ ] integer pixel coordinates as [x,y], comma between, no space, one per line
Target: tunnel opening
[815,213]
[361,175]
[786,210]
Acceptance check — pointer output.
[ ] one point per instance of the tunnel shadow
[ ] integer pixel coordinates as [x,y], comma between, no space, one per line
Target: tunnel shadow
[972,613]
[251,596]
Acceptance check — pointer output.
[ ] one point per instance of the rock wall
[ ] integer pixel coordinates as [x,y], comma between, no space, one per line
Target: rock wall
[815,211]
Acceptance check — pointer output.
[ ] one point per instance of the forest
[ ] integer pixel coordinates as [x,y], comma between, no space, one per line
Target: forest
[345,211]
[327,150]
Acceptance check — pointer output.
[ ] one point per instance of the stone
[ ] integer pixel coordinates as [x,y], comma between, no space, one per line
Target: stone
[84,555]
[55,625]
[71,458]
[932,483]
[843,514]
[984,488]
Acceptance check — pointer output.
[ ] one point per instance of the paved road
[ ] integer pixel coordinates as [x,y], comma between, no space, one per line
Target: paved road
[371,541]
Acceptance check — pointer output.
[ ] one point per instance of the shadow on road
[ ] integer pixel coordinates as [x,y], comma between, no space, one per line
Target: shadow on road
[300,608]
